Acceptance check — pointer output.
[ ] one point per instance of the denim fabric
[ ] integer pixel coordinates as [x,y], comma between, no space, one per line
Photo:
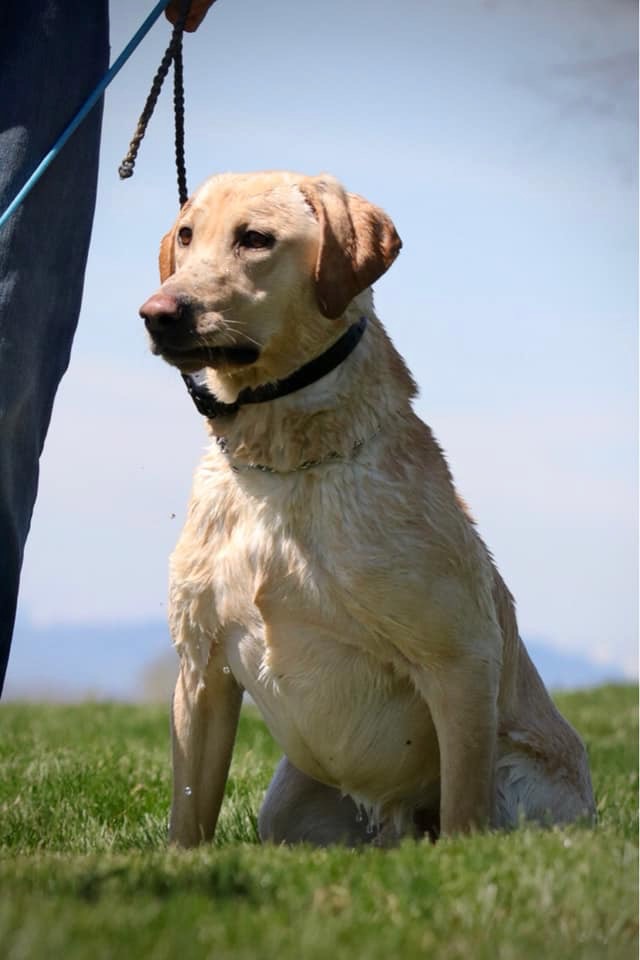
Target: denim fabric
[52,54]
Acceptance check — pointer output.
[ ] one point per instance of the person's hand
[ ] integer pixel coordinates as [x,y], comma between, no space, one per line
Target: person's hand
[197,12]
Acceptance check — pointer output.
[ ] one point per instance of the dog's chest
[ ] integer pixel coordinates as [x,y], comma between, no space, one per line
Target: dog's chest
[307,551]
[281,575]
[340,715]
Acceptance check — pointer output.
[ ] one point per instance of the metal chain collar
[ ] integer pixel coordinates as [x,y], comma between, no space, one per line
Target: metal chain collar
[332,457]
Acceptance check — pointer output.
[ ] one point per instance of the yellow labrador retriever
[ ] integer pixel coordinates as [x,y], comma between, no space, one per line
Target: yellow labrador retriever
[327,565]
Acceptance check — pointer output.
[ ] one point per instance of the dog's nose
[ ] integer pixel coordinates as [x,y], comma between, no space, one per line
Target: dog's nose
[160,312]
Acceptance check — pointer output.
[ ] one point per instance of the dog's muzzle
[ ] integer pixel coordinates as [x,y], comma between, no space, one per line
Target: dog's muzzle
[170,323]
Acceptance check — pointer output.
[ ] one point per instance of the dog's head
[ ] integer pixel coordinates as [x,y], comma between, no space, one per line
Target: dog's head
[260,268]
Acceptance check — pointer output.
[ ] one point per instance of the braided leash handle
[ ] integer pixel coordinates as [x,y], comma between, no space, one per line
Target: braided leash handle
[178,113]
[173,54]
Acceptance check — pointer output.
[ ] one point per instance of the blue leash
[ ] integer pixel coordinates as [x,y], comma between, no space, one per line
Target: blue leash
[83,111]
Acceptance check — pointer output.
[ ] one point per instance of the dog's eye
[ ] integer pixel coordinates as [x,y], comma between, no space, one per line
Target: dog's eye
[184,236]
[254,240]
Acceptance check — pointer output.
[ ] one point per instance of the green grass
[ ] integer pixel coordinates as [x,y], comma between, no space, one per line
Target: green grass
[85,872]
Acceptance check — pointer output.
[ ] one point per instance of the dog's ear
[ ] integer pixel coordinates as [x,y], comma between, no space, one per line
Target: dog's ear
[358,243]
[166,258]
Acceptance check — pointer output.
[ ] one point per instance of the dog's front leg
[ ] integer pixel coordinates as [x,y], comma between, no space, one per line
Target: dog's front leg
[462,698]
[205,712]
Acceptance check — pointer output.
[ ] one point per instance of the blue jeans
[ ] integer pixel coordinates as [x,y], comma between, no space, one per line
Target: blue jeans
[52,55]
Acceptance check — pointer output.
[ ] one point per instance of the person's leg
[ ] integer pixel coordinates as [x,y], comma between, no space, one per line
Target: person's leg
[52,54]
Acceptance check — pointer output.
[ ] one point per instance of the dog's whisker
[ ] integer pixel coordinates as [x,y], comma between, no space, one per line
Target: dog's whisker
[238,337]
[257,343]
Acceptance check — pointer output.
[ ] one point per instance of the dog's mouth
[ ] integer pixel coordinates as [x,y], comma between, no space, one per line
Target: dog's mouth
[189,359]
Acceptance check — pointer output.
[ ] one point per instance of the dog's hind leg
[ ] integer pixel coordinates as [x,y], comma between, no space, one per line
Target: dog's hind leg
[297,809]
[543,790]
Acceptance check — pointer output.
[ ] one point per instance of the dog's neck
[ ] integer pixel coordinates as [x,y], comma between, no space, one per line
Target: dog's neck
[327,420]
[309,373]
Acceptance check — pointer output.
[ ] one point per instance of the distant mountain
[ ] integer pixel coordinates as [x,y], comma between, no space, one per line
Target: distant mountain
[132,661]
[564,670]
[71,661]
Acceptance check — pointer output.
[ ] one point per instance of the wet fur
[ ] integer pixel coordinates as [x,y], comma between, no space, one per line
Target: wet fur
[355,600]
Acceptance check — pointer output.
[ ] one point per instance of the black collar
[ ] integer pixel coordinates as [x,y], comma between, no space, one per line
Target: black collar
[209,406]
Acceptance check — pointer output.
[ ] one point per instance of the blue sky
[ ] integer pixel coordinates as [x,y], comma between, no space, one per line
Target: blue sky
[501,137]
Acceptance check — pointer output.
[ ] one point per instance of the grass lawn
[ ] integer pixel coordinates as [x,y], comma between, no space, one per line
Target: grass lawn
[85,872]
